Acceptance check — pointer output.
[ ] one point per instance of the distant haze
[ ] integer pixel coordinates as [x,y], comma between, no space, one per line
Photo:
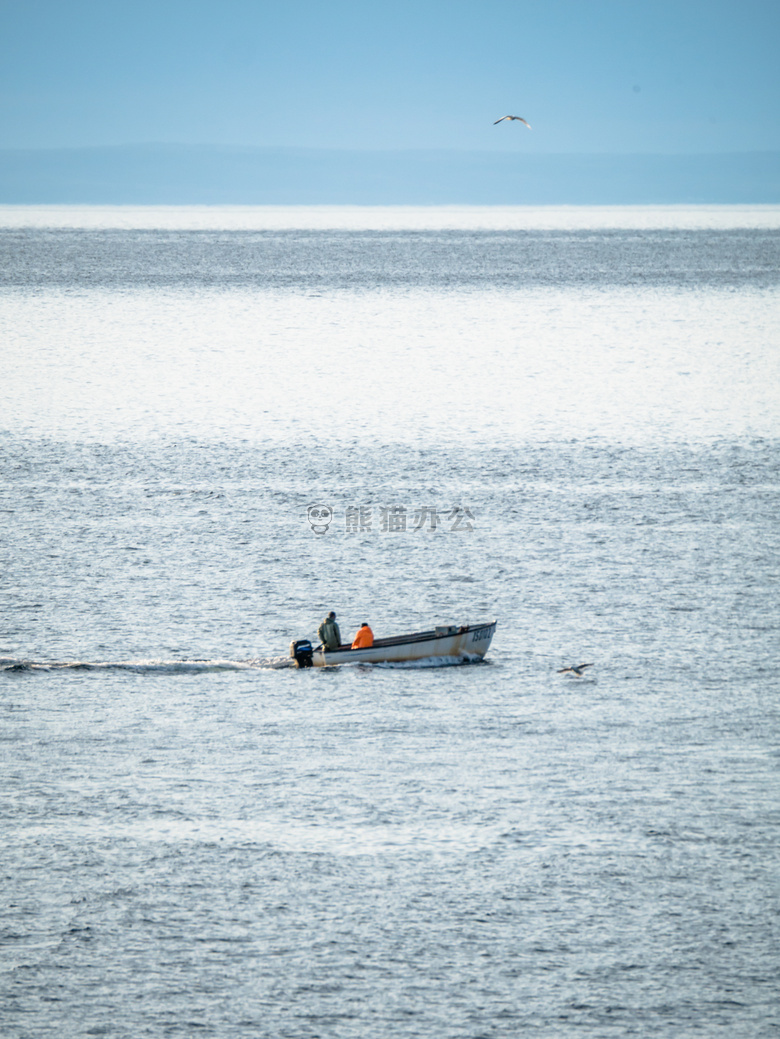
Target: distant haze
[254,101]
[181,175]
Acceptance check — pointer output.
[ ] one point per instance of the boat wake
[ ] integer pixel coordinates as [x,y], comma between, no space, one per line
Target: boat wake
[168,667]
[13,665]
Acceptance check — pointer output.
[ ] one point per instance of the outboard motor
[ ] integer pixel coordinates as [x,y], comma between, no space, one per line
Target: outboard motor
[301,652]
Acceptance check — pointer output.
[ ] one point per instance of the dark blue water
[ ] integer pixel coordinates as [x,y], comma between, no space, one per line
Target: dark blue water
[347,259]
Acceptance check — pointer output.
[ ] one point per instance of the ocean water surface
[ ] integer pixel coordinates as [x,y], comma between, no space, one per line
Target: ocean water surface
[563,419]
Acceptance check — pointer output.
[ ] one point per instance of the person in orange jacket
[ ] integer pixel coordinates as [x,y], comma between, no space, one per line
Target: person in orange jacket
[364,638]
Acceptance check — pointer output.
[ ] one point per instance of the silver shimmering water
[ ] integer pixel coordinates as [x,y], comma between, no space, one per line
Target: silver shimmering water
[200,842]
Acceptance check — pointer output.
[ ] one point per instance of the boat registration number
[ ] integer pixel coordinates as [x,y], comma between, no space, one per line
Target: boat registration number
[481,633]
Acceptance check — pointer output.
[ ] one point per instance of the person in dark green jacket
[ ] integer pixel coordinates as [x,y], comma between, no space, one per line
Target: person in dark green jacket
[328,632]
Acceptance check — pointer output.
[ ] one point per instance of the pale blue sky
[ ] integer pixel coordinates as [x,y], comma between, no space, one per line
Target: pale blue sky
[589,75]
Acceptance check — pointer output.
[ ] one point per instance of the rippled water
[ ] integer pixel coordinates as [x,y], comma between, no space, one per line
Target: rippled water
[201,841]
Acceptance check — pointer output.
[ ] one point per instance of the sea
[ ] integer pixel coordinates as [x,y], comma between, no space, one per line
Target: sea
[219,423]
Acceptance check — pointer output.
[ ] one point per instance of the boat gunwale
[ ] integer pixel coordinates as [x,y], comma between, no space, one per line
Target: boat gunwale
[421,636]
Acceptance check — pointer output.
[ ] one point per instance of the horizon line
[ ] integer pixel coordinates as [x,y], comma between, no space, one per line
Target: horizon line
[181,145]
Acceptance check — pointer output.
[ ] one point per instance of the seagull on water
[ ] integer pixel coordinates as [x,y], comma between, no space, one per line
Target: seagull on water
[574,670]
[518,117]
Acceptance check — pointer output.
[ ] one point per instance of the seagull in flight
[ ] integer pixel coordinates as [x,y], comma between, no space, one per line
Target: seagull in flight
[574,670]
[518,117]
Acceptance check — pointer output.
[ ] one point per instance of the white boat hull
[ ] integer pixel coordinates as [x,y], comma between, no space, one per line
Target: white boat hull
[466,641]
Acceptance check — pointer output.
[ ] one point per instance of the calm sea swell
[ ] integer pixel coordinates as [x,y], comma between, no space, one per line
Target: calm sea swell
[198,842]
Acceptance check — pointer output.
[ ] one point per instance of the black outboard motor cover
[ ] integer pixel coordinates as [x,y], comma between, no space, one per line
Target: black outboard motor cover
[301,651]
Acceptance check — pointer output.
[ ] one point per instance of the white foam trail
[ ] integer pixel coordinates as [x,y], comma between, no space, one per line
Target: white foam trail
[145,666]
[188,667]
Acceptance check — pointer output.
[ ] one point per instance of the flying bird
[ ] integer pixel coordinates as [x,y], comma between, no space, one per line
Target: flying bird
[519,117]
[574,670]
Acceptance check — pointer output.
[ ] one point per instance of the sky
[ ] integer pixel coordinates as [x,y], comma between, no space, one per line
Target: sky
[596,76]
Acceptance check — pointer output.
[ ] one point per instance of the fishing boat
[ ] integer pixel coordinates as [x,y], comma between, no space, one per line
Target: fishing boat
[467,642]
